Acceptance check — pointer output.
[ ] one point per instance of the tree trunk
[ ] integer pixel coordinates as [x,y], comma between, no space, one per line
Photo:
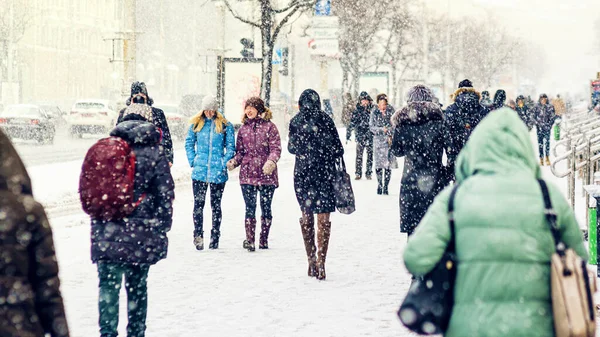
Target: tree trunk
[394,88]
[267,50]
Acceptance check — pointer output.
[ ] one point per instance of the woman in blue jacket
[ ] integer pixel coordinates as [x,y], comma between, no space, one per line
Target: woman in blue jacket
[209,145]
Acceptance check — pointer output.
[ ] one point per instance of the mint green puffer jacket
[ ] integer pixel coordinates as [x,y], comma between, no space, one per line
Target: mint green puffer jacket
[503,240]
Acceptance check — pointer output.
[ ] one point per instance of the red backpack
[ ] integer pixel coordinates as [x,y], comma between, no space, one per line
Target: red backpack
[107,180]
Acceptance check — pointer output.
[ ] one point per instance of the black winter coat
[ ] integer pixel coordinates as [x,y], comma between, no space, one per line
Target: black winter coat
[544,116]
[142,236]
[420,136]
[160,121]
[31,304]
[316,143]
[461,119]
[525,116]
[360,125]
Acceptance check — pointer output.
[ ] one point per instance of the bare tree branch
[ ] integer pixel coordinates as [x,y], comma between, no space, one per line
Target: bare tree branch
[246,21]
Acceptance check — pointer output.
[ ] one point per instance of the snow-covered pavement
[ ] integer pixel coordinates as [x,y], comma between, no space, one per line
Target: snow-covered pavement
[230,292]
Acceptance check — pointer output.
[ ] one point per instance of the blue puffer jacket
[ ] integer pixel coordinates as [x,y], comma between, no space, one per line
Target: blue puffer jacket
[208,152]
[142,236]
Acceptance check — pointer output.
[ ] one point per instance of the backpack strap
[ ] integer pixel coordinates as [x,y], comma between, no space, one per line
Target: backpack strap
[452,243]
[552,218]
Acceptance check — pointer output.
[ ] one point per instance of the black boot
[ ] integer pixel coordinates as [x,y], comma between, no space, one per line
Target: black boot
[214,239]
[379,173]
[386,181]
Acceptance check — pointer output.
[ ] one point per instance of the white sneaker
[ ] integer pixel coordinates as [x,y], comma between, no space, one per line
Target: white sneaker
[199,242]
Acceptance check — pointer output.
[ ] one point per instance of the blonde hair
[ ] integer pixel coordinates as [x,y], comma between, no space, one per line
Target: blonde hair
[198,122]
[267,115]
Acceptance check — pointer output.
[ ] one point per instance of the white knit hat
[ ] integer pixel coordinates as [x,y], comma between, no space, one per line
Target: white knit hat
[210,103]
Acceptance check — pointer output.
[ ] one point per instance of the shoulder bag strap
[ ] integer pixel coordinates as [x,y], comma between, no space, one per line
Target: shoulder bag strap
[452,243]
[552,218]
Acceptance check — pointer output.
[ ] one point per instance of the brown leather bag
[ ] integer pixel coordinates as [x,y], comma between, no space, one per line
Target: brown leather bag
[573,285]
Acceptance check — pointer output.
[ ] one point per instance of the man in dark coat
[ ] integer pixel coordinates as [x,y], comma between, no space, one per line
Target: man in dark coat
[461,119]
[499,100]
[32,304]
[315,142]
[139,94]
[523,111]
[544,117]
[364,138]
[127,247]
[420,136]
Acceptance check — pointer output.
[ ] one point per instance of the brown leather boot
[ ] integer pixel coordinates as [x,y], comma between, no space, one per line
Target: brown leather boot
[323,243]
[548,161]
[541,161]
[265,227]
[307,224]
[250,225]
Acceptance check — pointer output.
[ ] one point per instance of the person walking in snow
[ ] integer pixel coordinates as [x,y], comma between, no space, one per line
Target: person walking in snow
[380,124]
[544,117]
[139,95]
[363,135]
[503,239]
[128,246]
[316,144]
[523,111]
[420,136]
[559,106]
[32,303]
[486,101]
[209,145]
[499,100]
[462,117]
[348,109]
[258,150]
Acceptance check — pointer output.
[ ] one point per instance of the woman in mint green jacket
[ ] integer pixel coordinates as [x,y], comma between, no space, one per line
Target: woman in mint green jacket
[503,241]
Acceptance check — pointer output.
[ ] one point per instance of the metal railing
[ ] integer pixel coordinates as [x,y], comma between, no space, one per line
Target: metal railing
[579,147]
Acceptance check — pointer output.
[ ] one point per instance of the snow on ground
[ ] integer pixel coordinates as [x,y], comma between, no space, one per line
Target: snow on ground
[231,292]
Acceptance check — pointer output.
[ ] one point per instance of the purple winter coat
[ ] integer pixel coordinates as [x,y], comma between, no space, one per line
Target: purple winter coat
[257,141]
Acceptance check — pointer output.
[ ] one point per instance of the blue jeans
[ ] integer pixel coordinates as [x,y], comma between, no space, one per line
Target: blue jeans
[543,135]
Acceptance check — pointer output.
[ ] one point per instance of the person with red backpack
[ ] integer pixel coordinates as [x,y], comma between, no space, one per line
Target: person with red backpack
[127,189]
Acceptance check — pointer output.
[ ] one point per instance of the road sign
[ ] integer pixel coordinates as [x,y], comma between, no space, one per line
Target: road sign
[324,33]
[277,56]
[323,8]
[325,22]
[324,47]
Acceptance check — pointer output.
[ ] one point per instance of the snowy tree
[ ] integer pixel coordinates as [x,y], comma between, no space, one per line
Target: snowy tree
[14,21]
[270,28]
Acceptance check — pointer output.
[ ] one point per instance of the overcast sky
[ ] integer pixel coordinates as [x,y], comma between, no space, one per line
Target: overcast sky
[564,29]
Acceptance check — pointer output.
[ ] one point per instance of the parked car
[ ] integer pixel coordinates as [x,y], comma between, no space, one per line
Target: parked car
[28,121]
[55,113]
[177,121]
[91,116]
[191,104]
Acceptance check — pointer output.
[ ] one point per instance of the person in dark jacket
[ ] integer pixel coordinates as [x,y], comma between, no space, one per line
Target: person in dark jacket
[129,246]
[523,111]
[139,95]
[209,144]
[462,117]
[31,302]
[348,109]
[316,144]
[486,100]
[380,124]
[420,136]
[544,117]
[258,150]
[363,135]
[499,100]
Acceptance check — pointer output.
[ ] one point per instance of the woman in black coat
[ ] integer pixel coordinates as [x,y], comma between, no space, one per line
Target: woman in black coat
[315,141]
[419,135]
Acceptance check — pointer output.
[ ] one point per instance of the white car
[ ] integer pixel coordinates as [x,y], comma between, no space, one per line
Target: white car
[178,123]
[91,116]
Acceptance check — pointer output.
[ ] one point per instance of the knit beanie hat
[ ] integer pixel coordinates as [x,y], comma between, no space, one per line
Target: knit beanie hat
[465,84]
[419,93]
[257,103]
[364,95]
[143,110]
[210,103]
[382,97]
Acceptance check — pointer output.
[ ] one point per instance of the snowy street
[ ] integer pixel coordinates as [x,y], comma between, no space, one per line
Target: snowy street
[195,293]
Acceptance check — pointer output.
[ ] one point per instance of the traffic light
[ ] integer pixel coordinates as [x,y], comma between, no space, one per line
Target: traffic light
[248,51]
[284,71]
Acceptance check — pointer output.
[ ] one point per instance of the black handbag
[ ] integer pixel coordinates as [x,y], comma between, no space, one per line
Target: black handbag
[342,185]
[427,307]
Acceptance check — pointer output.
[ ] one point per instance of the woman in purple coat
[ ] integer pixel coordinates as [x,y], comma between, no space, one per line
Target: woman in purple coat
[258,149]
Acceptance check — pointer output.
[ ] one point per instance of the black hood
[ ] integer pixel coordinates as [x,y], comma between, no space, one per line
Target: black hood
[468,101]
[309,101]
[136,88]
[13,175]
[137,132]
[364,95]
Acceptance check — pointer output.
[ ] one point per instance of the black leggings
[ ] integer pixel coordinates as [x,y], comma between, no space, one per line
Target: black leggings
[266,198]
[543,134]
[216,194]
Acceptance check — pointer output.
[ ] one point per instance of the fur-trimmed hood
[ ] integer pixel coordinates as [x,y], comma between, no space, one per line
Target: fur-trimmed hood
[461,91]
[417,113]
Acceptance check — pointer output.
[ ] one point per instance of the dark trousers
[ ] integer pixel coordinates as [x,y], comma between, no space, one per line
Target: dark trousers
[360,149]
[250,193]
[111,276]
[216,195]
[543,135]
[383,178]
